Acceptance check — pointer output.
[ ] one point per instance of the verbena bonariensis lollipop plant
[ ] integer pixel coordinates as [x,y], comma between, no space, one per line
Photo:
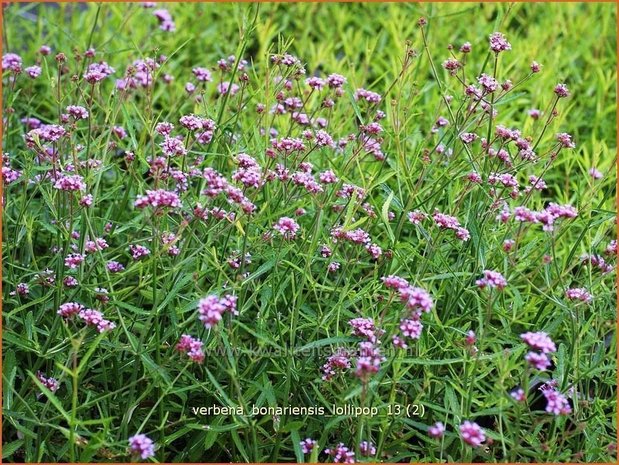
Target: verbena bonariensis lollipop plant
[264,259]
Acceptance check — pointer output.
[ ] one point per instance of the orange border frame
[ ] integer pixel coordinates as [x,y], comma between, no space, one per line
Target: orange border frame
[2,2]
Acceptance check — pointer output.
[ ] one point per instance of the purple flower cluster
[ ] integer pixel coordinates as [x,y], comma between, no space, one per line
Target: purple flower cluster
[472,433]
[367,95]
[368,361]
[367,449]
[366,328]
[138,251]
[579,293]
[336,363]
[211,309]
[598,262]
[437,430]
[95,318]
[499,43]
[141,446]
[73,260]
[546,217]
[70,182]
[341,454]
[357,236]
[287,227]
[89,316]
[50,383]
[192,347]
[444,221]
[416,300]
[166,22]
[158,199]
[308,445]
[12,62]
[492,279]
[557,403]
[541,342]
[69,309]
[97,72]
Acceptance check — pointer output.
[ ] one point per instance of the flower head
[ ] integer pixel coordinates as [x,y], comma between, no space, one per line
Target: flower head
[557,403]
[70,182]
[499,43]
[492,279]
[341,454]
[287,227]
[539,341]
[211,308]
[562,91]
[437,430]
[307,445]
[472,434]
[538,361]
[158,198]
[142,446]
[192,347]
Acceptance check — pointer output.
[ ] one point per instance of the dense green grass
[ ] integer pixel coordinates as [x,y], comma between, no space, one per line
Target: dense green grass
[293,313]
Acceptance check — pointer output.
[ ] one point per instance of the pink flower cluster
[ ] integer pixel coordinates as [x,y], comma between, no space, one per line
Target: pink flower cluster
[437,430]
[95,318]
[89,316]
[367,449]
[21,289]
[138,251]
[249,172]
[598,262]
[97,72]
[94,246]
[287,227]
[140,74]
[158,199]
[472,434]
[492,279]
[416,300]
[541,342]
[336,363]
[341,454]
[69,309]
[217,184]
[499,43]
[73,260]
[141,446]
[45,133]
[579,293]
[10,175]
[192,347]
[50,383]
[368,361]
[546,217]
[366,328]
[77,112]
[367,95]
[70,182]
[12,62]
[307,445]
[166,23]
[518,395]
[444,221]
[357,236]
[211,309]
[173,146]
[557,403]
